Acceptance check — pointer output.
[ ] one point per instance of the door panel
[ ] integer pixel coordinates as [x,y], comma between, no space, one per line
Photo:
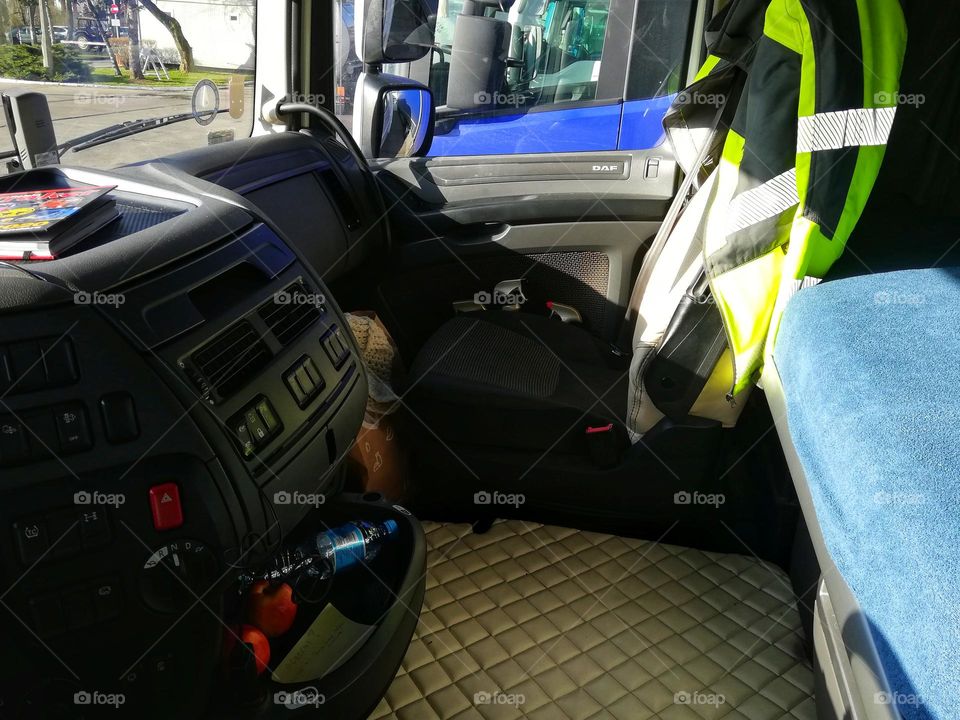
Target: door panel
[635,185]
[565,196]
[587,265]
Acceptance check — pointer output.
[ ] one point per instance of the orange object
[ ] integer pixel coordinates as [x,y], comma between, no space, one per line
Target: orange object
[271,607]
[254,638]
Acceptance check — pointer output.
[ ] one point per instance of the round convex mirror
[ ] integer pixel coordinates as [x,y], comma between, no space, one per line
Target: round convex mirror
[205,103]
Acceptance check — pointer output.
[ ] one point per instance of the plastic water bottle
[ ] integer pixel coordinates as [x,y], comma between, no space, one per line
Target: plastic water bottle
[347,545]
[329,552]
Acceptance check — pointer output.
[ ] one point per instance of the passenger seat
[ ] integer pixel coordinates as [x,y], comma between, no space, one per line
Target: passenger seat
[528,405]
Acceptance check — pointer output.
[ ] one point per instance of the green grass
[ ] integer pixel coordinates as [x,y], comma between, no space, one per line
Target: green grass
[106,75]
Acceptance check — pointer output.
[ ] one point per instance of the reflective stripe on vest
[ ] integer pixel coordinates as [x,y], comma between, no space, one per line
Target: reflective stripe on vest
[764,201]
[845,128]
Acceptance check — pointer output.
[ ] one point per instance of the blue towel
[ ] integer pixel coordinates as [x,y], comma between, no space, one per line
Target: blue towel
[871,372]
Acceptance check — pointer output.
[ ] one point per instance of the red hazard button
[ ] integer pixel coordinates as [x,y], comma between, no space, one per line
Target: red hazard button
[165,506]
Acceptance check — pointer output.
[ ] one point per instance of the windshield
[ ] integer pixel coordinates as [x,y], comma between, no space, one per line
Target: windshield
[110,63]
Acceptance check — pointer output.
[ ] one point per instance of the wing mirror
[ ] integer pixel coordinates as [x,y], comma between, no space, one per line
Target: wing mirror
[395,31]
[405,122]
[401,117]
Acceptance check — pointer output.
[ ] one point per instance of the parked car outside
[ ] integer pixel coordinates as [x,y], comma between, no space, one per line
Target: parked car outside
[21,35]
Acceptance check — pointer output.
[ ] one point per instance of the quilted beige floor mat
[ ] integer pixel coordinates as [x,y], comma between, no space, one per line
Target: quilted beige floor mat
[550,623]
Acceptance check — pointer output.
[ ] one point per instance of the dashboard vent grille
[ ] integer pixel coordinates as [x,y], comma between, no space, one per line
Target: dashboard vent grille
[230,360]
[290,312]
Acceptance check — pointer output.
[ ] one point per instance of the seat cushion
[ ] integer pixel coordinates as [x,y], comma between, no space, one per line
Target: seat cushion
[516,380]
[870,368]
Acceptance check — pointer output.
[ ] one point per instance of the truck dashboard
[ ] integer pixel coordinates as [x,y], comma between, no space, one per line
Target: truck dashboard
[196,370]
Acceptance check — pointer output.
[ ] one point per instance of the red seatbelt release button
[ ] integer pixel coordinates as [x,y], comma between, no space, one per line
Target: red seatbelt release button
[601,429]
[165,506]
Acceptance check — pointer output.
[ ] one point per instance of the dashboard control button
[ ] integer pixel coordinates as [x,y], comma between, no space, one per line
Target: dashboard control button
[294,385]
[73,433]
[304,381]
[266,413]
[306,384]
[242,433]
[14,447]
[28,370]
[108,599]
[315,377]
[119,415]
[78,608]
[47,615]
[32,541]
[63,531]
[336,347]
[165,506]
[59,360]
[257,428]
[176,574]
[94,527]
[42,434]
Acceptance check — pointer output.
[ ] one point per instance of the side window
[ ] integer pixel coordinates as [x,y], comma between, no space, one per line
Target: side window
[347,66]
[540,76]
[500,77]
[660,41]
[553,51]
[659,49]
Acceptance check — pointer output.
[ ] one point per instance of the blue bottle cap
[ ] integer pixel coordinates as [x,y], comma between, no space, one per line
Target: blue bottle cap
[390,526]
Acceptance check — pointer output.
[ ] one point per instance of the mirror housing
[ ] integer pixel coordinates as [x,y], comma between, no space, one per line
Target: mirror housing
[395,31]
[400,116]
[478,62]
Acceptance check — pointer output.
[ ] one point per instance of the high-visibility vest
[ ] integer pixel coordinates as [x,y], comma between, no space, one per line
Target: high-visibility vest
[799,161]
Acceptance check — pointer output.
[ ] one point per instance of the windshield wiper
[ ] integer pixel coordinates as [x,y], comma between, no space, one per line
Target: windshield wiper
[122,130]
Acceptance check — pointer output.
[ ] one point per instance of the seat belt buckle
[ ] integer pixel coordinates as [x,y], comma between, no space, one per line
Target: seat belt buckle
[566,313]
[507,296]
[602,446]
[468,306]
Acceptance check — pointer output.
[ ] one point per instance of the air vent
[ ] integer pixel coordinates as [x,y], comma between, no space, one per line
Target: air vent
[289,313]
[229,361]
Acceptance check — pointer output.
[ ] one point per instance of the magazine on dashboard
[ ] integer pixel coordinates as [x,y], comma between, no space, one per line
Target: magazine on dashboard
[41,224]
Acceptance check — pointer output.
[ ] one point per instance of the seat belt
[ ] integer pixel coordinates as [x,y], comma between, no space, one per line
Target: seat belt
[691,184]
[692,346]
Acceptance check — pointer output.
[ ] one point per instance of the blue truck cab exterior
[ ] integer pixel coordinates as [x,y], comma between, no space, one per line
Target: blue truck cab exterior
[631,125]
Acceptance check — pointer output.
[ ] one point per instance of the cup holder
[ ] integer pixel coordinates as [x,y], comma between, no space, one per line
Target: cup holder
[385,596]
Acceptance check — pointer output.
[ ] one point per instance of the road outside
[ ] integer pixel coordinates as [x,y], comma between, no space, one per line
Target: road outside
[78,110]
